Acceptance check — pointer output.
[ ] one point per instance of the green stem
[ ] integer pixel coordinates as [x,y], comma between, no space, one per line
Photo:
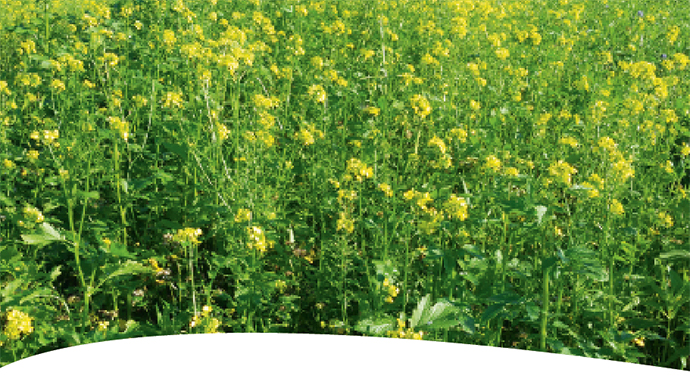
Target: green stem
[545,310]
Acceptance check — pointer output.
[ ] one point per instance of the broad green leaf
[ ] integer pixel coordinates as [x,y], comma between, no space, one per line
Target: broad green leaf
[376,326]
[421,307]
[47,234]
[492,311]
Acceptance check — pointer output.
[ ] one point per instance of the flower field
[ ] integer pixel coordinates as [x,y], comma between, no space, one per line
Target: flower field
[501,173]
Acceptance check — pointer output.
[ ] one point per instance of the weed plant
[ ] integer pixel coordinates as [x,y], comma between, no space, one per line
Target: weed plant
[503,173]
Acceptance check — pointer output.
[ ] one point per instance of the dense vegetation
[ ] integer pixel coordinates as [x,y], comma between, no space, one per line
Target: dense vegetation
[504,173]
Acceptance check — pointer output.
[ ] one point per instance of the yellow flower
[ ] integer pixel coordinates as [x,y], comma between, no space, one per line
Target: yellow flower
[665,219]
[318,93]
[257,239]
[189,235]
[502,53]
[570,141]
[511,171]
[103,326]
[616,207]
[173,99]
[386,189]
[305,136]
[18,324]
[457,207]
[169,38]
[345,223]
[607,143]
[421,105]
[459,134]
[685,150]
[493,163]
[562,171]
[58,85]
[4,88]
[243,215]
[374,111]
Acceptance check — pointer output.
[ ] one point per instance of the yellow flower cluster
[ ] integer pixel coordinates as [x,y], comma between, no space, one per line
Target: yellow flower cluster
[358,170]
[421,105]
[308,134]
[119,125]
[18,324]
[562,172]
[445,160]
[391,291]
[457,207]
[459,134]
[502,54]
[345,223]
[616,207]
[665,219]
[570,141]
[493,163]
[207,323]
[243,215]
[188,235]
[317,92]
[173,99]
[32,216]
[421,199]
[257,239]
[386,189]
[48,137]
[264,102]
[405,333]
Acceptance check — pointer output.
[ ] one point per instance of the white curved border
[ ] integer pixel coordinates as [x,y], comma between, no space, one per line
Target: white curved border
[311,356]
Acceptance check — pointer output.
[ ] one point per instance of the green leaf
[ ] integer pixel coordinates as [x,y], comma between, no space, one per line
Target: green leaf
[492,311]
[533,311]
[674,255]
[47,235]
[376,326]
[120,250]
[55,273]
[128,268]
[468,324]
[541,211]
[94,195]
[178,149]
[417,314]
